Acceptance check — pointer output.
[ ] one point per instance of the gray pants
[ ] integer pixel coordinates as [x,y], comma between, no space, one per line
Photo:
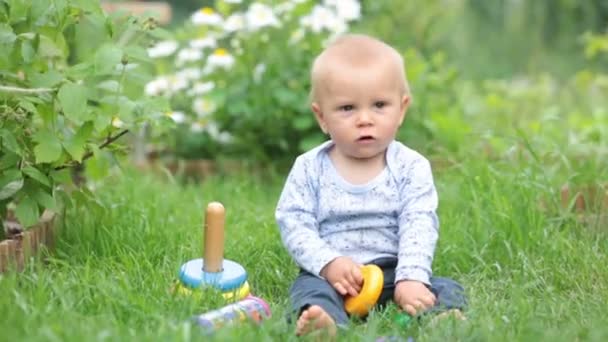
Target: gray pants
[309,289]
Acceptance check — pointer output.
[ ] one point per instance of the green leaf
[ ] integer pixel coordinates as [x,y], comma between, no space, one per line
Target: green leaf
[10,182]
[47,113]
[97,166]
[49,48]
[27,51]
[9,141]
[36,174]
[7,36]
[27,211]
[73,100]
[87,5]
[45,199]
[79,71]
[47,79]
[106,58]
[28,106]
[62,176]
[110,85]
[19,10]
[161,34]
[76,145]
[48,149]
[42,14]
[137,53]
[9,161]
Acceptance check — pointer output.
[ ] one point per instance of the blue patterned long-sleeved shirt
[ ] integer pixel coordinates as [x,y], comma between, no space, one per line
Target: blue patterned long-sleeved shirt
[321,216]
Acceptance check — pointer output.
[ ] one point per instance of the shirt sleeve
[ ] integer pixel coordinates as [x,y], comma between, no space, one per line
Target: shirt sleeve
[418,224]
[296,218]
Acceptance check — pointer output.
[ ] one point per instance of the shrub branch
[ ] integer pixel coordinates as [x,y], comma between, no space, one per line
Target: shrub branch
[17,90]
[89,154]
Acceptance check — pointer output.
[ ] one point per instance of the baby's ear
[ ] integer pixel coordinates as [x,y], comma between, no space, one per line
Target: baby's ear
[319,116]
[405,103]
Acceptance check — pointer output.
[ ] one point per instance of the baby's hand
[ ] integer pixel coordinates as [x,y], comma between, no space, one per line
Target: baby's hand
[414,297]
[344,275]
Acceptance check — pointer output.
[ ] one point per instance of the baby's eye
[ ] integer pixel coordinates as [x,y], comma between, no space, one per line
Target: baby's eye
[380,104]
[346,108]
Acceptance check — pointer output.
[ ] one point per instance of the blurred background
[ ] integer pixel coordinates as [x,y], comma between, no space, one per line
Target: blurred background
[483,73]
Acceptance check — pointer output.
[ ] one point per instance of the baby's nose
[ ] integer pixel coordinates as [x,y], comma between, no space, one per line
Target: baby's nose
[364,118]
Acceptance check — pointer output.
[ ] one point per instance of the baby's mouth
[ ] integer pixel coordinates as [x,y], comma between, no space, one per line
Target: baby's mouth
[365,138]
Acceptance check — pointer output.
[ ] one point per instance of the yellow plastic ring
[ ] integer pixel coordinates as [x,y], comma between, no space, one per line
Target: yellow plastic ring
[236,294]
[239,293]
[373,281]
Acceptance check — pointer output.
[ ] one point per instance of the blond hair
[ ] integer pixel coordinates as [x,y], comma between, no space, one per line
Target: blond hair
[355,50]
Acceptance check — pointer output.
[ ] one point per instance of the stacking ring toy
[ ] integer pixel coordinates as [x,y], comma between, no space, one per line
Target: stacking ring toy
[235,295]
[213,270]
[373,281]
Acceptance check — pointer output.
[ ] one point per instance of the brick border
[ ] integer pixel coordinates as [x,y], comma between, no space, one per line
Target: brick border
[15,253]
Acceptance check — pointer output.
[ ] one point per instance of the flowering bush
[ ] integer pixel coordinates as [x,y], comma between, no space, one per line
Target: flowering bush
[237,75]
[71,84]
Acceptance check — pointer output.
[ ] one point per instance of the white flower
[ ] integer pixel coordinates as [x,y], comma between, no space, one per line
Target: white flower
[215,134]
[235,22]
[297,36]
[201,88]
[208,42]
[259,16]
[157,86]
[285,8]
[177,117]
[233,1]
[203,107]
[318,18]
[258,72]
[162,49]
[347,9]
[189,55]
[116,122]
[322,18]
[206,16]
[196,127]
[177,83]
[189,73]
[220,59]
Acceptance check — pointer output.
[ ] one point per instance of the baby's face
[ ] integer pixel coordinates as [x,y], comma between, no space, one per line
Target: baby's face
[361,108]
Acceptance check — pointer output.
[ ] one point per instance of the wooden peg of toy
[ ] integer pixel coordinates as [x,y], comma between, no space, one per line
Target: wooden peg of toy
[213,269]
[213,250]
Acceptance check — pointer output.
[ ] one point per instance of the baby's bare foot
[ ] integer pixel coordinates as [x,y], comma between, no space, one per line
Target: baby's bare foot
[315,319]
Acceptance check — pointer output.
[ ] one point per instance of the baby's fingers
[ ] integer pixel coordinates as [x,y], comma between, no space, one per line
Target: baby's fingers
[354,284]
[357,276]
[410,309]
[340,288]
[428,300]
[350,288]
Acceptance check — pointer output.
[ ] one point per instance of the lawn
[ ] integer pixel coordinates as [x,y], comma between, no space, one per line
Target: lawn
[502,149]
[532,271]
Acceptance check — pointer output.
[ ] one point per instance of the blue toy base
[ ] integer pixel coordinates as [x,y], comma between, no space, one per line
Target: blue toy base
[231,277]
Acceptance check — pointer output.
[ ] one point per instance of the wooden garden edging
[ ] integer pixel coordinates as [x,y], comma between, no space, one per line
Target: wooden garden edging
[588,202]
[19,249]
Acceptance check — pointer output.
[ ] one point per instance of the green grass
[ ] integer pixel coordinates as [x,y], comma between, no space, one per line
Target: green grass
[531,273]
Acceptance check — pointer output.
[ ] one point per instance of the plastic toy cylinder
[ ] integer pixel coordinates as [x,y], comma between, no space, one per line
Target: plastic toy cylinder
[251,308]
[213,249]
